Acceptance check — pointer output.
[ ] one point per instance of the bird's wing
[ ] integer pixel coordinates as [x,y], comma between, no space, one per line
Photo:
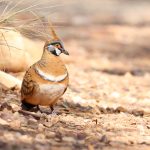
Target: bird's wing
[28,85]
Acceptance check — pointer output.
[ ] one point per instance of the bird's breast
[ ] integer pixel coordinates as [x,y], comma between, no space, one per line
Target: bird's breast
[48,93]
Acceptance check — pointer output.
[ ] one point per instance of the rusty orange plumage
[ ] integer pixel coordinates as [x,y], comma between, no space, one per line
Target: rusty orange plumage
[46,80]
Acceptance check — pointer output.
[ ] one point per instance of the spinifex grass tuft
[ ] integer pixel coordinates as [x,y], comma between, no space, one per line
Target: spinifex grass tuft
[25,17]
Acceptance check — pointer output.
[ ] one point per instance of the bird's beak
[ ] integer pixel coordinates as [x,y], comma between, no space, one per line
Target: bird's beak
[64,51]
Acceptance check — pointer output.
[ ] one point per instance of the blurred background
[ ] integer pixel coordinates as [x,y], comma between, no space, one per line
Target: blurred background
[113,32]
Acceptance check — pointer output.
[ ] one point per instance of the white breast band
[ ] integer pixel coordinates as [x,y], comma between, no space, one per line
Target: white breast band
[49,77]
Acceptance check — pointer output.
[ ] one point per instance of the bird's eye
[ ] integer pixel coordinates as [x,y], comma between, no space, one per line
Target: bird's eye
[57,45]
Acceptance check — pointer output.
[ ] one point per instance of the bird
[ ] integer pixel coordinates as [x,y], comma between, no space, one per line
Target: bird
[47,79]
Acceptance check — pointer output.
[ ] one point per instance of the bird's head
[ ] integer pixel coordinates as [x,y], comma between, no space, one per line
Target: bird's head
[55,45]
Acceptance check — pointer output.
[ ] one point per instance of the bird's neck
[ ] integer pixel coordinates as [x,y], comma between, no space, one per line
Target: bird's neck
[51,63]
[47,56]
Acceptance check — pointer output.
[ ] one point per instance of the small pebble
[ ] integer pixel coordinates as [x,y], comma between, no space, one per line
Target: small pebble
[3,122]
[120,109]
[102,110]
[110,110]
[104,139]
[41,127]
[138,112]
[25,139]
[15,124]
[50,134]
[9,136]
[69,139]
[15,107]
[40,137]
[16,115]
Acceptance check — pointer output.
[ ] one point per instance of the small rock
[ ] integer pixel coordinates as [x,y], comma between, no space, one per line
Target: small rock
[3,122]
[104,139]
[5,105]
[110,110]
[9,137]
[16,115]
[15,124]
[18,134]
[32,120]
[69,139]
[40,137]
[120,109]
[41,127]
[52,120]
[81,136]
[58,137]
[102,110]
[50,134]
[148,127]
[32,123]
[15,107]
[26,139]
[138,112]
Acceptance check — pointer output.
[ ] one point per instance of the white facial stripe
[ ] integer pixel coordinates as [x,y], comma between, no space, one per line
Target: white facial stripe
[50,47]
[49,77]
[58,52]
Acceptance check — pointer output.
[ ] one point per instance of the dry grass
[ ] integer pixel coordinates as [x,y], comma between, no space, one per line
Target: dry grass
[23,16]
[27,18]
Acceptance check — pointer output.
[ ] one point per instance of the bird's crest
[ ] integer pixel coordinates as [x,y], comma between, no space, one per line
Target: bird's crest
[53,33]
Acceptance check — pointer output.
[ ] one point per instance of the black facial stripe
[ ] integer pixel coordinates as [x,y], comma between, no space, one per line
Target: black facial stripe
[54,43]
[54,53]
[57,42]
